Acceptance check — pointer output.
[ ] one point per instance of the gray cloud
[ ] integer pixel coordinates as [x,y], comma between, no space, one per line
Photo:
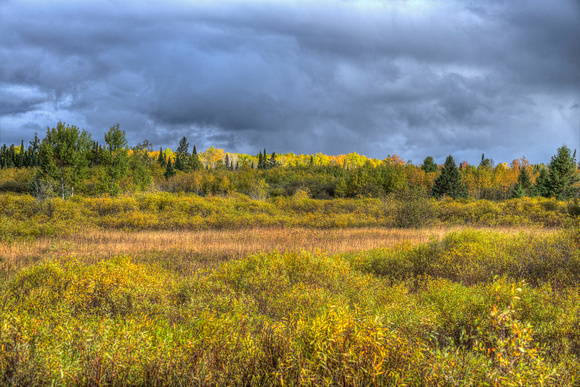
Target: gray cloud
[378,78]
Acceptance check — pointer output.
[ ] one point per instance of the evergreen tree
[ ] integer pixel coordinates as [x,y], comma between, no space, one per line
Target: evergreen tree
[3,156]
[33,150]
[228,167]
[181,154]
[541,188]
[64,153]
[195,163]
[178,164]
[524,185]
[260,161]
[115,160]
[563,175]
[138,163]
[19,159]
[96,156]
[449,182]
[272,162]
[169,171]
[429,165]
[161,159]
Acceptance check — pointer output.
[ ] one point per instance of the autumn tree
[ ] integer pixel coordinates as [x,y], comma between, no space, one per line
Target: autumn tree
[449,181]
[64,154]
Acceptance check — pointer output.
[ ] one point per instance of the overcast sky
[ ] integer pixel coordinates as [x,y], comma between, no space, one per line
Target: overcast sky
[412,78]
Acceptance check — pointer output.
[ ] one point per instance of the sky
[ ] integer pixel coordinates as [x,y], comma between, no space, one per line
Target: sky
[412,78]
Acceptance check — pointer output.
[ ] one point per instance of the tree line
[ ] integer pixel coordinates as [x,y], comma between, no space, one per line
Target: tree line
[68,161]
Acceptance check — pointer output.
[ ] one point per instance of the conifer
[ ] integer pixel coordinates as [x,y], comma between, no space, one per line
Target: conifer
[449,181]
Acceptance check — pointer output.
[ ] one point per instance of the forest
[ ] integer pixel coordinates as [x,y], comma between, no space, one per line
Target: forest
[139,266]
[68,161]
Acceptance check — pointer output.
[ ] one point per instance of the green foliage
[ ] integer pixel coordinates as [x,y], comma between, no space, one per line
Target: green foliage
[416,210]
[169,171]
[64,154]
[563,175]
[449,181]
[524,185]
[429,165]
[115,160]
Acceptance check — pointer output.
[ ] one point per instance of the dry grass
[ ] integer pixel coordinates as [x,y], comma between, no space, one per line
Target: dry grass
[218,245]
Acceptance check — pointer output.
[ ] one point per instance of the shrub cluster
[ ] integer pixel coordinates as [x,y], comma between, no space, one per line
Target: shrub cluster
[23,216]
[475,308]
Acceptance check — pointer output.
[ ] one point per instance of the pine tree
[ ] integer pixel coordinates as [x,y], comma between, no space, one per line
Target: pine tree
[19,159]
[228,162]
[3,157]
[181,154]
[524,185]
[195,163]
[178,164]
[33,150]
[449,182]
[65,153]
[429,165]
[161,159]
[169,171]
[272,162]
[541,188]
[563,175]
[115,160]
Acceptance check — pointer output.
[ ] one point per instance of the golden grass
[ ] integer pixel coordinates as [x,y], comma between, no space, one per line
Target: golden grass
[220,244]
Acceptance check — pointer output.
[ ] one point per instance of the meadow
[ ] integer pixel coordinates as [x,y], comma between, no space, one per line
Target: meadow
[177,289]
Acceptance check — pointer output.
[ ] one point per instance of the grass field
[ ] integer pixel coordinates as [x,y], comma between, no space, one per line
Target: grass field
[447,304]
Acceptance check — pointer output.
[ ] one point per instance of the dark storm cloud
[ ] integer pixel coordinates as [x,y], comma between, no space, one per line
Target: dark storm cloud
[412,78]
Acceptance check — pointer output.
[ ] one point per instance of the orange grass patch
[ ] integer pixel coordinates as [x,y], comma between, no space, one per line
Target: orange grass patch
[219,244]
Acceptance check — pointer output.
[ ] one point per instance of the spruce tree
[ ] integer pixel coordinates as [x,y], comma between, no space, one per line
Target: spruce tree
[524,185]
[541,188]
[3,156]
[449,182]
[563,175]
[195,163]
[178,164]
[65,154]
[19,159]
[161,159]
[429,165]
[181,154]
[33,150]
[115,160]
[169,171]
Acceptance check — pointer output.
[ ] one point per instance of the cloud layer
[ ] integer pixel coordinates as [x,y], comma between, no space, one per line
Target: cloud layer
[407,77]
